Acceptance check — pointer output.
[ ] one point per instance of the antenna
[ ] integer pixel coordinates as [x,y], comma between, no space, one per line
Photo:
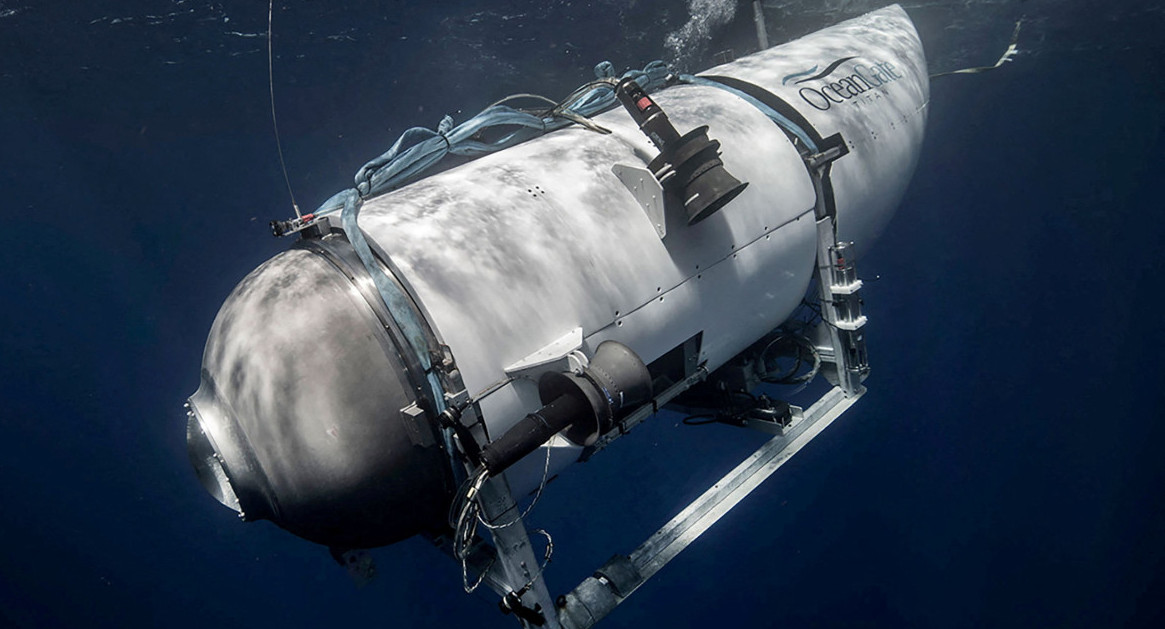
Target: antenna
[274,120]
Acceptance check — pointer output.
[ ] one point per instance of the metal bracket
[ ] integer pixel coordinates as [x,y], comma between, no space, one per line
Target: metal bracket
[417,424]
[561,354]
[648,192]
[296,224]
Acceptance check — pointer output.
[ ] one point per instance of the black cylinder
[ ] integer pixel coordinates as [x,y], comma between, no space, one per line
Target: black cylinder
[650,118]
[700,179]
[534,430]
[581,406]
[689,166]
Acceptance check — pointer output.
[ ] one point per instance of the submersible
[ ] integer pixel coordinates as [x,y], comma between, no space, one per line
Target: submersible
[488,325]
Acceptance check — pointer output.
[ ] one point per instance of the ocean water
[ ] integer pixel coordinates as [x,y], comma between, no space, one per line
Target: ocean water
[1003,470]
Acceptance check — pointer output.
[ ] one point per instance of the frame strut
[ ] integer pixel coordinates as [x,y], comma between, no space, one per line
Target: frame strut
[598,595]
[519,570]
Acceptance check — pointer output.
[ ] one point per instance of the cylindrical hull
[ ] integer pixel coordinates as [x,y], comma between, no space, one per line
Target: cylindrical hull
[508,255]
[512,251]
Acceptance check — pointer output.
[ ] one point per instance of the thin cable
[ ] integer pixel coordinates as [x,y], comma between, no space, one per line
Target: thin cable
[524,95]
[1008,55]
[547,554]
[537,495]
[582,120]
[468,516]
[274,120]
[490,390]
[465,529]
[803,346]
[469,589]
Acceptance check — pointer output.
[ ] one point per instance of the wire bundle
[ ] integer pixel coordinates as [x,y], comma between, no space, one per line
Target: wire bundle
[497,127]
[465,516]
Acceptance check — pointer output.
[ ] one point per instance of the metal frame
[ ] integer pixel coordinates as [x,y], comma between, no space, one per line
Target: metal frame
[514,570]
[598,595]
[842,345]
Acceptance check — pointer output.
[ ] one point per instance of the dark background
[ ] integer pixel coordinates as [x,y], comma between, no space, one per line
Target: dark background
[1005,468]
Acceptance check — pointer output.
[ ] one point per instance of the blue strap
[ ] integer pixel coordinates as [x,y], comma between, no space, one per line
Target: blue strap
[418,149]
[773,114]
[398,303]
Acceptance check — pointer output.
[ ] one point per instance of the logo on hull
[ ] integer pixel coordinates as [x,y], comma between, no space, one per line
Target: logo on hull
[828,92]
[824,73]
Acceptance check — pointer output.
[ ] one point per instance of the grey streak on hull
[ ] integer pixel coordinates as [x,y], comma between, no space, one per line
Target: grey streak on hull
[297,375]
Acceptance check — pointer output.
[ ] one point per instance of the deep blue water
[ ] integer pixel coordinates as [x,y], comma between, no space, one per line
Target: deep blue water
[1004,469]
